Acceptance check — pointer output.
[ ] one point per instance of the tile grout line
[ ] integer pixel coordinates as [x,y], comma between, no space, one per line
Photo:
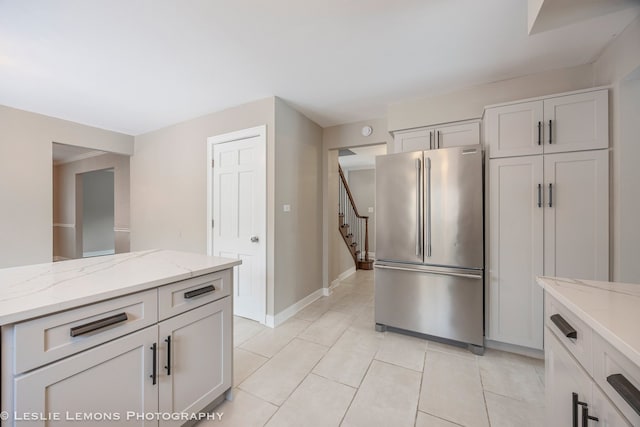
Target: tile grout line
[424,366]
[484,396]
[440,418]
[309,373]
[356,393]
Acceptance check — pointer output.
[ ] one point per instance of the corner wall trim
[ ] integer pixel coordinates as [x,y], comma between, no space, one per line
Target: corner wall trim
[287,313]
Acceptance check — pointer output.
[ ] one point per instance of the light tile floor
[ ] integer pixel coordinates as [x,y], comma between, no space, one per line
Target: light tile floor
[327,366]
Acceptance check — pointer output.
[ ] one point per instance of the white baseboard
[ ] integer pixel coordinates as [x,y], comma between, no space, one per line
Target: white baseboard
[58,224]
[348,272]
[269,321]
[98,253]
[281,317]
[512,348]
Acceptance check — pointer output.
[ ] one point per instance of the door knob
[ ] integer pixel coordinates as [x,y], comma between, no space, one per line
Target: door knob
[254,239]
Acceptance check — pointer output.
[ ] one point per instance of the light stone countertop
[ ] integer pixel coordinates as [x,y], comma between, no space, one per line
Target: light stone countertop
[610,309]
[36,290]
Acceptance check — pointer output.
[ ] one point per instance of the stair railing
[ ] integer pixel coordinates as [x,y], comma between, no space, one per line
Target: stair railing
[354,227]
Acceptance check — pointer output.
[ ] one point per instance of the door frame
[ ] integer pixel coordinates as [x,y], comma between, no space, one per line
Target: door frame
[261,133]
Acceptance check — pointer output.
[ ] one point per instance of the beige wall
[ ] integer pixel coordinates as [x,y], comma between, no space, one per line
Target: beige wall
[298,179]
[619,66]
[64,202]
[362,184]
[469,103]
[168,192]
[169,177]
[26,179]
[169,182]
[336,258]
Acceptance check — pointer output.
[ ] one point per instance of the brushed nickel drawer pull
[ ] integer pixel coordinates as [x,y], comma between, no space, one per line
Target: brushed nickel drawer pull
[564,326]
[98,324]
[628,391]
[199,291]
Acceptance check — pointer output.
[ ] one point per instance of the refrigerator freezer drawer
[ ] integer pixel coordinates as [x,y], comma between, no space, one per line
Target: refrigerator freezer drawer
[437,303]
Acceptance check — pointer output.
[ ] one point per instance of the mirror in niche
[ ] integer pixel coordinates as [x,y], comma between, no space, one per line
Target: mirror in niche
[90,202]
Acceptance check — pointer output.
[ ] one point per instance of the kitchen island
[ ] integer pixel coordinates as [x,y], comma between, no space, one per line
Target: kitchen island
[143,338]
[592,352]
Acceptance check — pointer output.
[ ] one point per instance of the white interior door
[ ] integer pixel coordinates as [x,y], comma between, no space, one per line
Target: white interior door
[238,210]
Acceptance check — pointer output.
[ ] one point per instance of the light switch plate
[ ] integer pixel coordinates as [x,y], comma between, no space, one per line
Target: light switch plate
[370,210]
[286,208]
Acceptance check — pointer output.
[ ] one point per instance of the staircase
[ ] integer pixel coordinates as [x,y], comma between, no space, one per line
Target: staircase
[354,228]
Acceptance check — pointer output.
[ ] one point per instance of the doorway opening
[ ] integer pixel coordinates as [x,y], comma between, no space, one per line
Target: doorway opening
[358,168]
[95,208]
[90,202]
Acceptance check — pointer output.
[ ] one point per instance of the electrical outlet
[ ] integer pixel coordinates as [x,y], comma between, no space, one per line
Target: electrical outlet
[370,210]
[286,208]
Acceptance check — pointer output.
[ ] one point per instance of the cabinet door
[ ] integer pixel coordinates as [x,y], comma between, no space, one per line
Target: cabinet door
[563,377]
[200,353]
[516,231]
[113,378]
[457,135]
[416,140]
[602,408]
[578,122]
[576,219]
[515,130]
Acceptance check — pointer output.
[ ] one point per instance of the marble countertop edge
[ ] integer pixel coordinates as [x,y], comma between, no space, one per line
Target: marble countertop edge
[28,292]
[614,334]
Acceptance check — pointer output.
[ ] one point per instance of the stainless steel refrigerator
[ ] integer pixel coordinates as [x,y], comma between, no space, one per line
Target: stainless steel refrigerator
[429,243]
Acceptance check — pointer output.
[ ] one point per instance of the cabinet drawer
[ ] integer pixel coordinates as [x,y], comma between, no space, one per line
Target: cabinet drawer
[580,346]
[181,296]
[608,361]
[46,339]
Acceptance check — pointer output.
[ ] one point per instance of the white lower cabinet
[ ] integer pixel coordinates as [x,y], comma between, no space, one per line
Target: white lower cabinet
[565,378]
[162,375]
[195,364]
[111,380]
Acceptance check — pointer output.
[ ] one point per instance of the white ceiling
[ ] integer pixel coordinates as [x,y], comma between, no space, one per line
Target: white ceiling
[138,65]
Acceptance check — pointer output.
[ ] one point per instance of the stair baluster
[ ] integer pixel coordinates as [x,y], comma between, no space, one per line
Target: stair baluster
[353,227]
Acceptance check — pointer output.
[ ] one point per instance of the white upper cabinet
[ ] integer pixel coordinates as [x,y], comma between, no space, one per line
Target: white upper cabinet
[432,138]
[457,135]
[415,140]
[576,122]
[552,125]
[515,130]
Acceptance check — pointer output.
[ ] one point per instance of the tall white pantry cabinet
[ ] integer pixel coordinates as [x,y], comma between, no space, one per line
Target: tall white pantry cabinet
[548,203]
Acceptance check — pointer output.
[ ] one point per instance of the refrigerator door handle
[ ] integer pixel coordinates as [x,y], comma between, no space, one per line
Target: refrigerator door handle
[419,270]
[428,216]
[418,219]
